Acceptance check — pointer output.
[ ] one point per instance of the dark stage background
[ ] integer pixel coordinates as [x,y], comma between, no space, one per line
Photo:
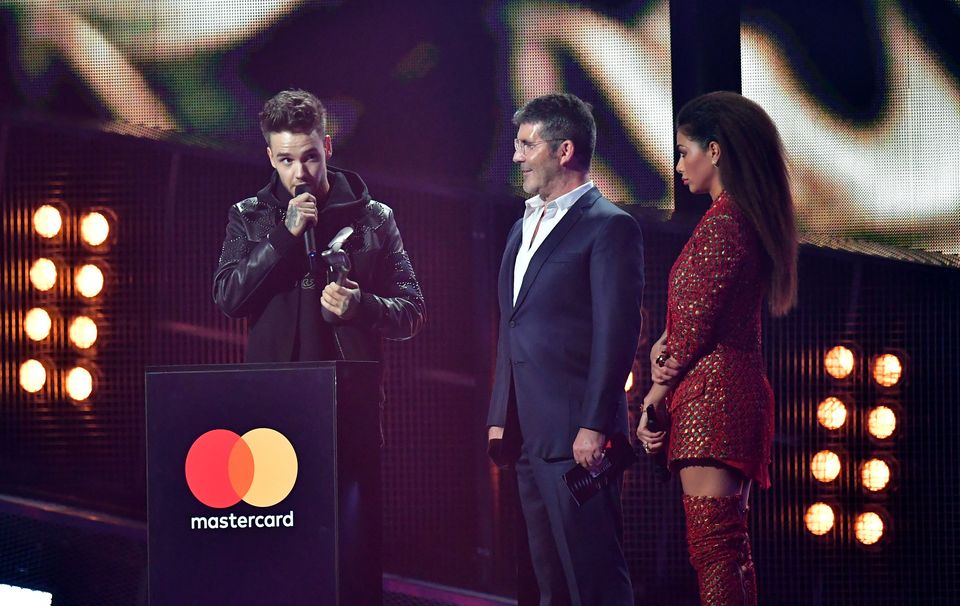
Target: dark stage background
[159,129]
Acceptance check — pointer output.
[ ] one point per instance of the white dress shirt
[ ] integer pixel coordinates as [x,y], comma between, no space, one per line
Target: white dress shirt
[552,212]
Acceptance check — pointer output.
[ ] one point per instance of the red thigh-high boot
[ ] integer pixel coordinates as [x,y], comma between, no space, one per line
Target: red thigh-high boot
[720,550]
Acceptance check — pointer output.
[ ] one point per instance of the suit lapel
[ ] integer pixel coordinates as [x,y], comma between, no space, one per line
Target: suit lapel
[507,265]
[552,242]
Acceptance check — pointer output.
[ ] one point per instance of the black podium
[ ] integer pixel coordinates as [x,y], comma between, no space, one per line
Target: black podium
[264,484]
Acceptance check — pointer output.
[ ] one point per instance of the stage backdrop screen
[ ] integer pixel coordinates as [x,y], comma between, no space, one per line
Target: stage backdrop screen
[867,98]
[865,94]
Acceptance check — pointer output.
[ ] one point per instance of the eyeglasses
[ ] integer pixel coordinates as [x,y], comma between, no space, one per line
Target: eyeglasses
[525,147]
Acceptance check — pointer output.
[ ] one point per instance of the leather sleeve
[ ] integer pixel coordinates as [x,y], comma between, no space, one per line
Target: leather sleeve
[394,307]
[245,265]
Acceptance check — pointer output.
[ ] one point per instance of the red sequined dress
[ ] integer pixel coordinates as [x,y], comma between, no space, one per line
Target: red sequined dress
[723,407]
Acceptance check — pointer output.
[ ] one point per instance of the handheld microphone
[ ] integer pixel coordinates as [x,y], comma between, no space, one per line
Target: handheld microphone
[309,237]
[660,459]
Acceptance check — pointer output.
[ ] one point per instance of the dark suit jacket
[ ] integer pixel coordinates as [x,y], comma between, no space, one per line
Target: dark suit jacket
[565,349]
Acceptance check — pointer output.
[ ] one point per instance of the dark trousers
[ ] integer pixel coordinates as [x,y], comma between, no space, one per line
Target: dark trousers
[576,550]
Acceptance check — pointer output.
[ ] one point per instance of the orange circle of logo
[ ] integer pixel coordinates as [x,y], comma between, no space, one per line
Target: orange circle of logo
[258,468]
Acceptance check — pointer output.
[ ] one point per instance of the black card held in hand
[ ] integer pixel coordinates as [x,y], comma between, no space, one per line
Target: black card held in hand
[584,483]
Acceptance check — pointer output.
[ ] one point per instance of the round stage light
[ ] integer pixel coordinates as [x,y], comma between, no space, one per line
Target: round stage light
[819,519]
[47,221]
[33,376]
[887,370]
[37,324]
[825,466]
[43,274]
[868,527]
[832,413]
[83,332]
[881,422]
[89,280]
[94,228]
[629,384]
[79,383]
[839,362]
[875,474]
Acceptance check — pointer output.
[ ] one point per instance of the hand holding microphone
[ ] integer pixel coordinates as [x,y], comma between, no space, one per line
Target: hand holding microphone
[652,436]
[301,217]
[301,211]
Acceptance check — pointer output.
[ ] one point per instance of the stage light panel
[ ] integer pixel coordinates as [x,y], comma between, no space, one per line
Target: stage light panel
[887,370]
[882,422]
[33,376]
[79,384]
[629,385]
[89,280]
[83,332]
[43,274]
[839,362]
[47,221]
[875,474]
[37,324]
[819,519]
[94,228]
[825,466]
[832,413]
[869,527]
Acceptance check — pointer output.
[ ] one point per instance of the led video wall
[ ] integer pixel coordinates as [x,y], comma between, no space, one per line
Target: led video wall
[867,98]
[430,99]
[866,94]
[617,57]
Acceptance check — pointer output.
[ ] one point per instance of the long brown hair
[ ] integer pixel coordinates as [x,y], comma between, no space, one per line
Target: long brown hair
[753,170]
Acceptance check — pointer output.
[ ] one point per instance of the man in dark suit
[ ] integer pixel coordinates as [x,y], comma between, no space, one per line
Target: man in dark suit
[570,288]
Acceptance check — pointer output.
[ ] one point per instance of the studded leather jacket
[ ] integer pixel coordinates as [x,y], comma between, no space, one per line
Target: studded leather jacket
[263,267]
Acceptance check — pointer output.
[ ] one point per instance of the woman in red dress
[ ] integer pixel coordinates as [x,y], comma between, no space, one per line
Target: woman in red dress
[707,368]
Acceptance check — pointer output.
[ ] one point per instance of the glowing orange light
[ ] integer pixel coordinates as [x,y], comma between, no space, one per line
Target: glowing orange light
[33,376]
[37,324]
[89,280]
[629,384]
[83,332]
[43,274]
[881,422]
[79,383]
[825,466]
[94,228]
[819,518]
[839,362]
[869,527]
[832,413]
[887,370]
[875,474]
[47,221]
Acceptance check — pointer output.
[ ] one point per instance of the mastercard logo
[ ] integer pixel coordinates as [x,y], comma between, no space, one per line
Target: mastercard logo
[258,468]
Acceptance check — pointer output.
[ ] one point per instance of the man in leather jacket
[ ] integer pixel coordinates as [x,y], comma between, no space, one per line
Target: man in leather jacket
[263,274]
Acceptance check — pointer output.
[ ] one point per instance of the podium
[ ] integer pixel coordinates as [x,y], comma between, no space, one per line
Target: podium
[263,484]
